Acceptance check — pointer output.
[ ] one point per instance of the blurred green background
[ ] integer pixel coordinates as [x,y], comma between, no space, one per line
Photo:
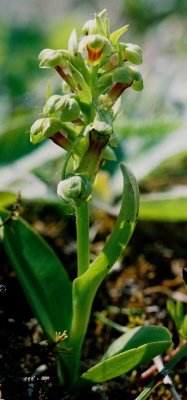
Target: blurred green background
[152,124]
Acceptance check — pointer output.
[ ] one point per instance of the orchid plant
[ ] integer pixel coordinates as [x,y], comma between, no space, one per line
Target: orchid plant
[95,71]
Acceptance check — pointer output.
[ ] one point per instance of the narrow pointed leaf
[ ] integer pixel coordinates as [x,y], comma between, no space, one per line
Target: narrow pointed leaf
[41,274]
[125,223]
[89,282]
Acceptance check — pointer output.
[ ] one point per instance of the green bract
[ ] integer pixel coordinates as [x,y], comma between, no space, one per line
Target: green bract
[114,37]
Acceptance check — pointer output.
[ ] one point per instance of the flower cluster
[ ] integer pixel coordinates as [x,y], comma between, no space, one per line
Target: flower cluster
[96,70]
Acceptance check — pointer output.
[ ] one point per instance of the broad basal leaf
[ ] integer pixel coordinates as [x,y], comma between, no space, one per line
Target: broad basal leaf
[127,360]
[41,274]
[136,337]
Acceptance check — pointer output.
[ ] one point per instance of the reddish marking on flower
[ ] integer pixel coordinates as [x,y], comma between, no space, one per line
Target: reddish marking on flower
[94,54]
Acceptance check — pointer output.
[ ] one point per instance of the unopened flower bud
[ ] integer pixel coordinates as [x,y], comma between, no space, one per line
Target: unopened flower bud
[97,46]
[75,187]
[90,27]
[43,128]
[122,75]
[67,108]
[96,25]
[131,52]
[50,58]
[137,79]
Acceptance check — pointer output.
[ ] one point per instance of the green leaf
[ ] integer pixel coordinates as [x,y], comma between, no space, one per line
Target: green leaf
[41,274]
[125,223]
[7,198]
[14,138]
[168,209]
[126,361]
[136,337]
[89,282]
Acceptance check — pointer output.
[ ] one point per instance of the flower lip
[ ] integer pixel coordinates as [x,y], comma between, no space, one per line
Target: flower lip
[94,54]
[96,46]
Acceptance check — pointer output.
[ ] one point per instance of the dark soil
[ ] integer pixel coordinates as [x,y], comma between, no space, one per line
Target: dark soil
[135,293]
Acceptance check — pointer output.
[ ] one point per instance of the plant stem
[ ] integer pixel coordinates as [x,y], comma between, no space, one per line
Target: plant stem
[81,315]
[93,81]
[82,227]
[165,371]
[69,365]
